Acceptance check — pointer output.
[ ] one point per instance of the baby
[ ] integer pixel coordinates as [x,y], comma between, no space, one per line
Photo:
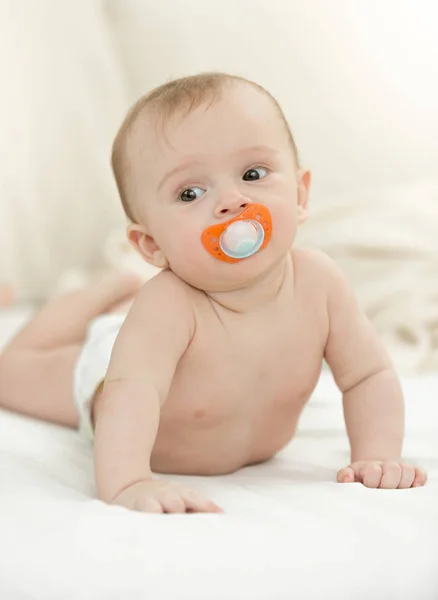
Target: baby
[219,353]
[6,294]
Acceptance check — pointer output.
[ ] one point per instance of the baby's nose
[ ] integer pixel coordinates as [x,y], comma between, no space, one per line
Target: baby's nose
[232,206]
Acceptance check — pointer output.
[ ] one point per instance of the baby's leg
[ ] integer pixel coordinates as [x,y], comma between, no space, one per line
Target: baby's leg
[64,320]
[36,368]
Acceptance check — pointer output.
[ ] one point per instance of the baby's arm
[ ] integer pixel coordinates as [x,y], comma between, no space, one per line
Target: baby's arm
[372,395]
[153,338]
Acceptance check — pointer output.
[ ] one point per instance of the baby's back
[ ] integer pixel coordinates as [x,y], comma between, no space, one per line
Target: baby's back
[239,388]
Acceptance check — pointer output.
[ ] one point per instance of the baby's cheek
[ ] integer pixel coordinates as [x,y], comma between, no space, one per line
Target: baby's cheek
[179,236]
[187,254]
[284,225]
[190,246]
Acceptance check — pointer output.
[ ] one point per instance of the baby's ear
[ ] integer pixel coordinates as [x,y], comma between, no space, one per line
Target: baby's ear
[145,245]
[304,179]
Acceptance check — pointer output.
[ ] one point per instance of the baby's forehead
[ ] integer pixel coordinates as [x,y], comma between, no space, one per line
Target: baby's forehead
[240,108]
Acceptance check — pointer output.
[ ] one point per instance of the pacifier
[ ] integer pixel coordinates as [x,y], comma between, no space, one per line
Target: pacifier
[240,237]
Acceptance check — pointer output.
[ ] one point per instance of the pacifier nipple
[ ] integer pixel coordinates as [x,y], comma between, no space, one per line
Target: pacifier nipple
[242,238]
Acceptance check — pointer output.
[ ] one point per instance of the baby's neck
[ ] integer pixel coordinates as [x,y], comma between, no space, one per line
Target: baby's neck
[261,292]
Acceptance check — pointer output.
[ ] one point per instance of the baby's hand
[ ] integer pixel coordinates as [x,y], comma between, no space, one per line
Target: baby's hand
[388,474]
[157,496]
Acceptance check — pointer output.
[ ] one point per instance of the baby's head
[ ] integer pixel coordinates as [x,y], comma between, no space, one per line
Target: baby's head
[197,152]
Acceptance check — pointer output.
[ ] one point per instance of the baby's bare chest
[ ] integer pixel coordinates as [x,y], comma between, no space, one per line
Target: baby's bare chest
[250,366]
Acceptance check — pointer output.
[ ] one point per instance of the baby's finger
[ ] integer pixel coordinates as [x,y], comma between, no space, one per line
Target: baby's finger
[346,475]
[370,474]
[407,478]
[420,477]
[197,503]
[173,503]
[148,505]
[391,477]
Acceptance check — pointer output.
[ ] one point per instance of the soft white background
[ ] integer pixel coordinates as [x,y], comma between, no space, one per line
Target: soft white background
[358,82]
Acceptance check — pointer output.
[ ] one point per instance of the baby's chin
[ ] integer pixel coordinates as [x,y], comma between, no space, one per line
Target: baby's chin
[213,276]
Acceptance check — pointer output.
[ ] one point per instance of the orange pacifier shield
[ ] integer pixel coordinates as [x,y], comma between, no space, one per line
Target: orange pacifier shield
[240,237]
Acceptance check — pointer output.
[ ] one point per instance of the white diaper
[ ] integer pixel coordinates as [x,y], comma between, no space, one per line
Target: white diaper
[92,365]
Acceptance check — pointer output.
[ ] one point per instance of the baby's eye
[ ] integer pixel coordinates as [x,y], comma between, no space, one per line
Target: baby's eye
[254,174]
[190,194]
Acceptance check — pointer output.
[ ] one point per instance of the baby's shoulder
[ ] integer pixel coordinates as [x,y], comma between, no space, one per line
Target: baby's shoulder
[316,268]
[311,263]
[165,292]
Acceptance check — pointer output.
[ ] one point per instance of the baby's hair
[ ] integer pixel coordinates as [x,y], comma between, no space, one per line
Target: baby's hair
[184,95]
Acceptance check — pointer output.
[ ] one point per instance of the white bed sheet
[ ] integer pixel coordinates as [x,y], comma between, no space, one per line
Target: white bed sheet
[289,530]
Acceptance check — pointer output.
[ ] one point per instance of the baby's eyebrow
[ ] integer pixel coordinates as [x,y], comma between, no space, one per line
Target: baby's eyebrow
[183,167]
[265,149]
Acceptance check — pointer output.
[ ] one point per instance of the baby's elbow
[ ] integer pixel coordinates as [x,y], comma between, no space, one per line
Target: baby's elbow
[364,378]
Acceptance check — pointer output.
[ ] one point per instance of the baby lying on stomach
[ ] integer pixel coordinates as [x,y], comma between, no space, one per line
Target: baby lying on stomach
[220,352]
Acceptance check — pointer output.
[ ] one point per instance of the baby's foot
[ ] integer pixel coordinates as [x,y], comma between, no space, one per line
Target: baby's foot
[116,290]
[6,294]
[101,295]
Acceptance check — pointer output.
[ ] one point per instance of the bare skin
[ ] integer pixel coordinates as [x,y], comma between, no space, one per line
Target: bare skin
[6,294]
[227,384]
[215,362]
[36,367]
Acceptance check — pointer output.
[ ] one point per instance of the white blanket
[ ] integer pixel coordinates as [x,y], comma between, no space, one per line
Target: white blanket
[289,530]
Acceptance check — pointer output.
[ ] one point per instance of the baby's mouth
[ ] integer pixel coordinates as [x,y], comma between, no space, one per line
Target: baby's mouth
[240,237]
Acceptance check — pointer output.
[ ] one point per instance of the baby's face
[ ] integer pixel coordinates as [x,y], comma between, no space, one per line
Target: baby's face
[209,167]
